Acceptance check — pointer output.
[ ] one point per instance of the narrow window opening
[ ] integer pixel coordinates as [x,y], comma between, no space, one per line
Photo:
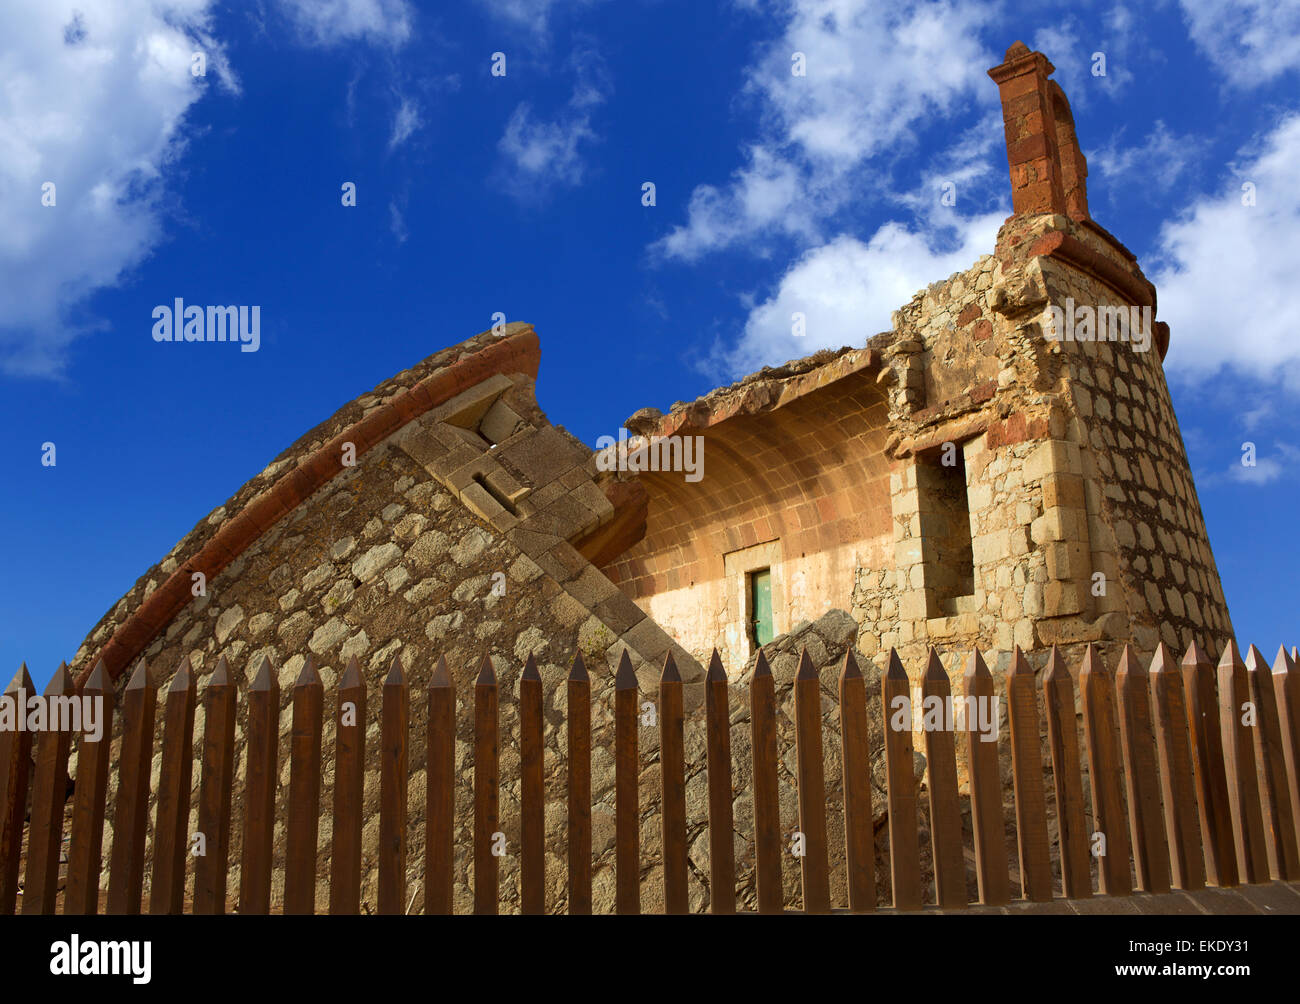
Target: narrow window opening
[946,545]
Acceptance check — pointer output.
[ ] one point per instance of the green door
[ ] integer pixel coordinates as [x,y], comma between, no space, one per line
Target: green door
[760,603]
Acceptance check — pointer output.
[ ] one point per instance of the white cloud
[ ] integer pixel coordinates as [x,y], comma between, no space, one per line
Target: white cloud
[847,290]
[332,22]
[1251,41]
[96,101]
[95,105]
[874,73]
[542,154]
[1157,162]
[397,221]
[405,122]
[1227,278]
[1265,471]
[532,16]
[1072,49]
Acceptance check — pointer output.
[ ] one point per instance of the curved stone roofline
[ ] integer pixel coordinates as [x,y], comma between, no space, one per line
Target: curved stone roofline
[765,390]
[516,352]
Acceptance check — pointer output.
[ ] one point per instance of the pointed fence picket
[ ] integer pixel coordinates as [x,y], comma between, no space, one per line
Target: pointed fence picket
[85,843]
[859,838]
[1201,689]
[814,862]
[991,867]
[216,786]
[167,892]
[672,773]
[1027,780]
[1191,773]
[945,807]
[349,787]
[301,832]
[45,832]
[532,837]
[487,781]
[722,854]
[578,688]
[126,867]
[1177,780]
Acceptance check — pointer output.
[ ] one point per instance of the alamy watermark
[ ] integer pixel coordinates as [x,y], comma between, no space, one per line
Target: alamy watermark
[659,453]
[37,713]
[75,957]
[1106,323]
[179,323]
[940,714]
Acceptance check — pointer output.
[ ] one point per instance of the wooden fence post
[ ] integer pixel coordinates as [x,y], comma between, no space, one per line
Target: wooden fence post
[130,816]
[722,853]
[393,739]
[532,794]
[1239,762]
[1286,688]
[904,853]
[627,807]
[15,756]
[260,774]
[1063,737]
[349,785]
[672,775]
[302,829]
[1146,820]
[767,809]
[1104,772]
[1279,823]
[859,836]
[487,789]
[579,726]
[172,817]
[49,796]
[941,759]
[1177,783]
[1211,776]
[991,866]
[814,865]
[440,791]
[1027,777]
[216,784]
[85,844]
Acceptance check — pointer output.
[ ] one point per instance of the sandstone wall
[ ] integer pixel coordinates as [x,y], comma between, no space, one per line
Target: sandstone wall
[802,488]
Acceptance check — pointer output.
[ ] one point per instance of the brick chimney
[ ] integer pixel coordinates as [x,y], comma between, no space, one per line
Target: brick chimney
[1048,171]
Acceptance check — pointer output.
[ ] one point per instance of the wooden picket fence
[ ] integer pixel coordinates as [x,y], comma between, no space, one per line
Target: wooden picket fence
[1183,786]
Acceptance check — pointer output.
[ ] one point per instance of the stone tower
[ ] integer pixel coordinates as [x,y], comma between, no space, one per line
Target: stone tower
[1003,467]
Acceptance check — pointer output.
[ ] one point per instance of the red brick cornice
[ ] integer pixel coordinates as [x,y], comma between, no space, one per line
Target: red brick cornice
[518,352]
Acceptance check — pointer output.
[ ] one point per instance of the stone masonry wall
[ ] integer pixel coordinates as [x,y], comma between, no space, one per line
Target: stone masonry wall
[1149,534]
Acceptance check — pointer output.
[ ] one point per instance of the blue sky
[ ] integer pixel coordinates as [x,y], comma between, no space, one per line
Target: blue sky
[522,193]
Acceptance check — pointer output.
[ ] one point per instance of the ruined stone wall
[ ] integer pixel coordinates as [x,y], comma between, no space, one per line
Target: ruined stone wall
[954,372]
[382,563]
[1147,531]
[296,473]
[1084,524]
[801,488]
[449,537]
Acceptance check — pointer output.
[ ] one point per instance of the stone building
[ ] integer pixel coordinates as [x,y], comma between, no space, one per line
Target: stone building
[965,480]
